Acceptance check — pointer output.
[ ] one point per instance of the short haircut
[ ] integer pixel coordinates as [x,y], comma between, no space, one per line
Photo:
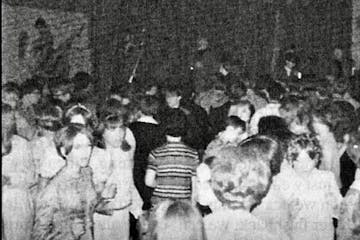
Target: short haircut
[291,57]
[176,220]
[174,88]
[236,122]
[149,105]
[40,22]
[235,88]
[267,148]
[239,179]
[30,86]
[307,142]
[81,80]
[275,90]
[269,124]
[339,116]
[64,138]
[175,123]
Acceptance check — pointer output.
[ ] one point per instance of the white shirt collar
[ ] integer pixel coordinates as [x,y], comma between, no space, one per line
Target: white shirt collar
[147,119]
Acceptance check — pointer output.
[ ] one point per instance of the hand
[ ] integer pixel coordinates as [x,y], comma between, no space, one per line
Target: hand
[78,227]
[102,208]
[109,191]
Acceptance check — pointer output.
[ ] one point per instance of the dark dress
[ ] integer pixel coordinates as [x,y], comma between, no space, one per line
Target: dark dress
[148,136]
[218,116]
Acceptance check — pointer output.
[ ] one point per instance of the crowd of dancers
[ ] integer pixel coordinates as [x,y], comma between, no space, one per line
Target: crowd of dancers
[236,158]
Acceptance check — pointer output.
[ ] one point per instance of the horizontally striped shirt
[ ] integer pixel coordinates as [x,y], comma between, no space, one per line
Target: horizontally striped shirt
[175,164]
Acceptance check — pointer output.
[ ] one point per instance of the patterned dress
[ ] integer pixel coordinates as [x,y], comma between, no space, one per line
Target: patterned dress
[114,167]
[17,208]
[65,201]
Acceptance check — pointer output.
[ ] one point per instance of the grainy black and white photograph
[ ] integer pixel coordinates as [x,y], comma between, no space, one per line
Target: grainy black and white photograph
[180,120]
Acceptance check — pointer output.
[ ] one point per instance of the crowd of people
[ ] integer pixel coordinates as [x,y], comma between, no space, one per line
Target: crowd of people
[236,158]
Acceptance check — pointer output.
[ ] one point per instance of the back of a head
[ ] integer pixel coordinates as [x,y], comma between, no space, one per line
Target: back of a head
[275,90]
[236,122]
[176,220]
[149,105]
[81,80]
[30,85]
[265,147]
[175,123]
[271,124]
[339,116]
[239,179]
[237,90]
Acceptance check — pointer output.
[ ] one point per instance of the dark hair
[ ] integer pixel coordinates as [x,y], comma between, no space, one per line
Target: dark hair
[275,90]
[267,148]
[81,80]
[65,137]
[8,128]
[234,90]
[49,117]
[113,107]
[149,105]
[11,87]
[30,86]
[236,122]
[40,22]
[340,117]
[290,102]
[291,57]
[269,124]
[60,84]
[175,123]
[173,88]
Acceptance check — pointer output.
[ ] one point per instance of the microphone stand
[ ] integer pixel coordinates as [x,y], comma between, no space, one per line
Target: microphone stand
[138,59]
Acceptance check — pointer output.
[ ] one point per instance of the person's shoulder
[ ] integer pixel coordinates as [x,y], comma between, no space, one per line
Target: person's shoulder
[324,174]
[189,149]
[19,141]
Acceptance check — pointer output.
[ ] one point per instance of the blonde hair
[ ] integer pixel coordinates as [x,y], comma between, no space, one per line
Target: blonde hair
[240,179]
[176,220]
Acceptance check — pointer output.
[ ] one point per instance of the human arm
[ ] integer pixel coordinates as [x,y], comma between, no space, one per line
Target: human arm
[23,174]
[150,178]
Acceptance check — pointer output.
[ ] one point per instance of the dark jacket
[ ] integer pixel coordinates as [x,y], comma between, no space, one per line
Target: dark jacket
[148,136]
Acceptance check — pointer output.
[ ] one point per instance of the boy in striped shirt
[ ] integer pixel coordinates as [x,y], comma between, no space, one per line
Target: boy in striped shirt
[172,167]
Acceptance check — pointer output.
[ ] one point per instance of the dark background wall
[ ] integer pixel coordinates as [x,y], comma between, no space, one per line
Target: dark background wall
[255,32]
